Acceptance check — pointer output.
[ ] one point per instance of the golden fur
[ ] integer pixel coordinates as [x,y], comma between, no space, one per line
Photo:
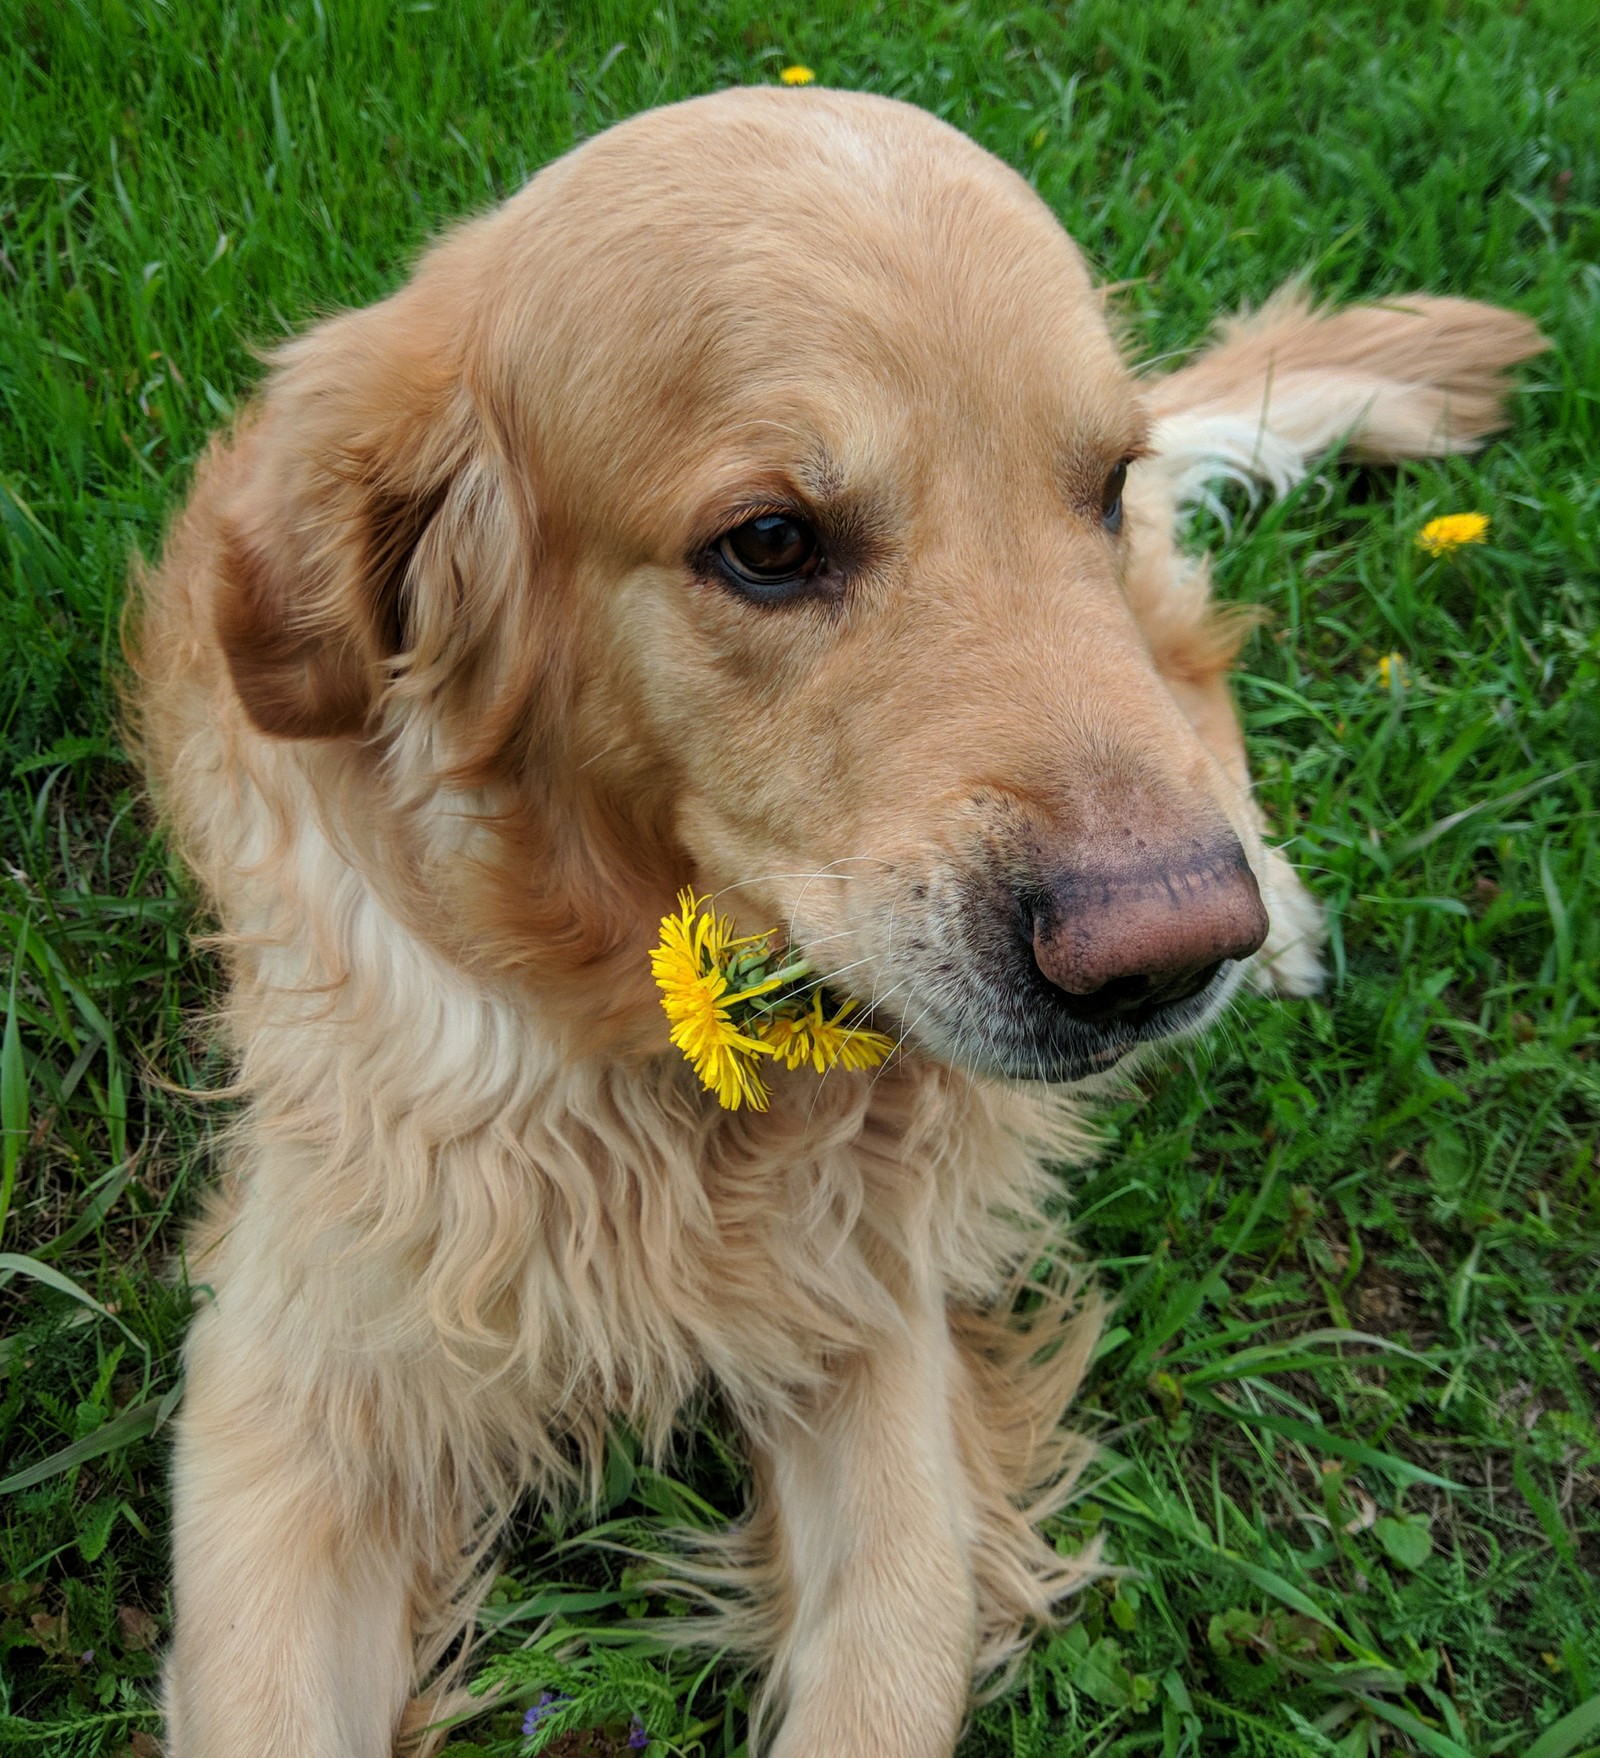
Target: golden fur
[441,719]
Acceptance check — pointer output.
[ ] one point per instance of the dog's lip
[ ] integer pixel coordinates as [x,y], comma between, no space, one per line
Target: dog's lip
[1042,1060]
[1066,1067]
[1090,1051]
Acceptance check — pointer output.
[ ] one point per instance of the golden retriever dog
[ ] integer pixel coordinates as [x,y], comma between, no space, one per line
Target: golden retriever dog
[758,503]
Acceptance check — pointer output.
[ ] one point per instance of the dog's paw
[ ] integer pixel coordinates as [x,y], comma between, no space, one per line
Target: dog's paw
[1290,963]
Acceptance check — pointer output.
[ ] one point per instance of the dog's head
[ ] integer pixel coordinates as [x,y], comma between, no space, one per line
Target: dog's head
[740,505]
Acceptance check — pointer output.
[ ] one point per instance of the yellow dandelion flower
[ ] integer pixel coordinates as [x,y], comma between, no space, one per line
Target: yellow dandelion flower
[695,943]
[721,1055]
[825,1043]
[1440,536]
[1392,671]
[851,1047]
[786,1038]
[708,976]
[692,945]
[695,996]
[797,75]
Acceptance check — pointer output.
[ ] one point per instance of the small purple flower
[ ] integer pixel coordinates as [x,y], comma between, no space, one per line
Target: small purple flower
[547,1705]
[638,1736]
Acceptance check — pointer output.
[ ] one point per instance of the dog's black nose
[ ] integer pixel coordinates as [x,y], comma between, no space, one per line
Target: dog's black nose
[1125,941]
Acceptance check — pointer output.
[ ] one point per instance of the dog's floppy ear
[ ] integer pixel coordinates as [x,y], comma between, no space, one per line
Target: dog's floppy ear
[365,436]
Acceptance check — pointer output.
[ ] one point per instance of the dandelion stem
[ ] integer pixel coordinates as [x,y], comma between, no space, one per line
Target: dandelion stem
[765,994]
[800,968]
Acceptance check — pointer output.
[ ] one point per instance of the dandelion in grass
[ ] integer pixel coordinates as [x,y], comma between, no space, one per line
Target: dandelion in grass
[1392,672]
[1441,536]
[797,75]
[732,1000]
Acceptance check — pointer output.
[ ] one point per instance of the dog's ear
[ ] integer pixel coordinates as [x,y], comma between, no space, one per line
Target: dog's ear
[366,444]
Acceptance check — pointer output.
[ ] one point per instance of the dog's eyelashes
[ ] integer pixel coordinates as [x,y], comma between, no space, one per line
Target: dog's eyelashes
[1111,497]
[769,559]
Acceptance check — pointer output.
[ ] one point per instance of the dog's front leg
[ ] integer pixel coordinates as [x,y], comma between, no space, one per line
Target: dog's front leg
[874,1551]
[294,1574]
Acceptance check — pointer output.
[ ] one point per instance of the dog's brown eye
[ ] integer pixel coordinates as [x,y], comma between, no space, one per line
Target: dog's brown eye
[1111,497]
[769,558]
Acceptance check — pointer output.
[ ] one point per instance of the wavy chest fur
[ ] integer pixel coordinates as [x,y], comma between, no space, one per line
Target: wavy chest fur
[550,1240]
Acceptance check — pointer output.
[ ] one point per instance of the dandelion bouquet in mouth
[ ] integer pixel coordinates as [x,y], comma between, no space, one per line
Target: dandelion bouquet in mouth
[733,1000]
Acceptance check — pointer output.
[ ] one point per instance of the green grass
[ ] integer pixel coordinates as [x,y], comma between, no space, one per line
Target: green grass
[1350,1399]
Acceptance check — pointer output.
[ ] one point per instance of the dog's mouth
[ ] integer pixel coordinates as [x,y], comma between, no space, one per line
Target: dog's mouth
[981,964]
[1024,1030]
